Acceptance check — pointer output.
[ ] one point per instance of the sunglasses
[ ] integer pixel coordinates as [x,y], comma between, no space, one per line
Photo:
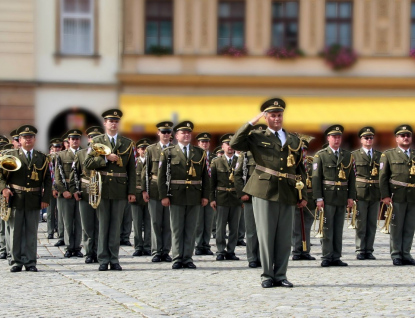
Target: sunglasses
[405,135]
[165,132]
[368,138]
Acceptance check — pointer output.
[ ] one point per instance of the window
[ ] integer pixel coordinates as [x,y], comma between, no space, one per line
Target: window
[77,27]
[231,24]
[339,23]
[413,25]
[159,27]
[285,24]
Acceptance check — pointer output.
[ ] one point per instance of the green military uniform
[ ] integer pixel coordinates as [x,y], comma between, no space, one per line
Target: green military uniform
[241,226]
[59,202]
[4,230]
[51,210]
[297,244]
[126,225]
[118,181]
[228,205]
[205,218]
[188,185]
[272,187]
[31,185]
[217,152]
[335,191]
[244,169]
[141,216]
[70,207]
[397,181]
[160,215]
[368,196]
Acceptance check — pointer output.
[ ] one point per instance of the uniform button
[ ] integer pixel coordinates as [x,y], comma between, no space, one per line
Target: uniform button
[281,168]
[338,168]
[28,176]
[280,179]
[28,183]
[370,185]
[187,171]
[110,179]
[111,170]
[282,159]
[338,188]
[187,187]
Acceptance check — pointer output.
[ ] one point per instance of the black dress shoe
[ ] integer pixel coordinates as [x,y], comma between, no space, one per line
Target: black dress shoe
[95,258]
[284,283]
[103,267]
[16,269]
[231,257]
[138,253]
[3,256]
[360,256]
[220,257]
[369,256]
[60,243]
[307,257]
[68,254]
[253,264]
[77,254]
[146,253]
[397,262]
[31,269]
[199,252]
[50,236]
[208,252]
[258,263]
[126,243]
[408,262]
[189,265]
[156,259]
[241,243]
[177,265]
[89,260]
[267,283]
[166,258]
[338,263]
[213,235]
[325,263]
[115,267]
[296,257]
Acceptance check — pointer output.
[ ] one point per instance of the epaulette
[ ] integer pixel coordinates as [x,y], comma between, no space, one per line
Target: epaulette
[215,158]
[126,138]
[320,151]
[389,150]
[151,146]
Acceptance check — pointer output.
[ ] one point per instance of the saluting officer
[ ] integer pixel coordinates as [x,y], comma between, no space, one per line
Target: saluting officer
[397,186]
[334,188]
[244,169]
[79,183]
[118,186]
[159,214]
[298,252]
[30,189]
[70,206]
[141,216]
[367,193]
[205,219]
[278,158]
[183,186]
[224,200]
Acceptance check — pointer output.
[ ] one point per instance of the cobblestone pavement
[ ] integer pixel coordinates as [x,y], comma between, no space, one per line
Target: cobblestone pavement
[69,287]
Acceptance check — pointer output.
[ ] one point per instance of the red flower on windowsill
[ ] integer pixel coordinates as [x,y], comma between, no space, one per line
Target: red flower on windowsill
[284,53]
[234,51]
[412,53]
[339,57]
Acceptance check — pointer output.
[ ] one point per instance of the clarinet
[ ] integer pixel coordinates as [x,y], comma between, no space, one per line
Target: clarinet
[61,173]
[76,177]
[168,173]
[147,174]
[245,168]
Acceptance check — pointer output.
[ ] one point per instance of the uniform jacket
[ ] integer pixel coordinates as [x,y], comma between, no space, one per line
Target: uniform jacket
[268,152]
[220,178]
[239,173]
[364,167]
[67,158]
[22,177]
[327,167]
[114,188]
[311,203]
[82,173]
[183,194]
[395,165]
[138,189]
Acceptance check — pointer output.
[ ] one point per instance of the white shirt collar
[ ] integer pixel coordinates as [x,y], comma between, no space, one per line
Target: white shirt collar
[228,158]
[334,151]
[367,150]
[404,151]
[115,137]
[181,146]
[143,159]
[73,150]
[161,145]
[25,152]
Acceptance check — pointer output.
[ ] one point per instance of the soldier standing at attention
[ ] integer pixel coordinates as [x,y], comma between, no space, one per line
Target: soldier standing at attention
[279,167]
[334,188]
[224,199]
[118,187]
[183,184]
[139,209]
[397,179]
[159,214]
[205,219]
[89,218]
[70,207]
[55,147]
[30,189]
[367,192]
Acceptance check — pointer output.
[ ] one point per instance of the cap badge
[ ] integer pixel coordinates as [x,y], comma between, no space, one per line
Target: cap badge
[276,103]
[115,113]
[205,135]
[404,127]
[368,129]
[27,129]
[166,124]
[188,124]
[230,136]
[96,129]
[260,128]
[337,128]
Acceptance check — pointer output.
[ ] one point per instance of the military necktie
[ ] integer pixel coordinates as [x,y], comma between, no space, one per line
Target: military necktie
[230,162]
[276,135]
[336,153]
[407,152]
[164,146]
[185,152]
[29,157]
[369,155]
[112,143]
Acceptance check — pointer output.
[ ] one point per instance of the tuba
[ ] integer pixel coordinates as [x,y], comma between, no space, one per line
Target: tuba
[10,163]
[320,233]
[354,212]
[95,187]
[101,149]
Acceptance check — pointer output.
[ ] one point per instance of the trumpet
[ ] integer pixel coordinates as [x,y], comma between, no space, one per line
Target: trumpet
[101,149]
[10,163]
[321,222]
[354,212]
[95,187]
[388,218]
